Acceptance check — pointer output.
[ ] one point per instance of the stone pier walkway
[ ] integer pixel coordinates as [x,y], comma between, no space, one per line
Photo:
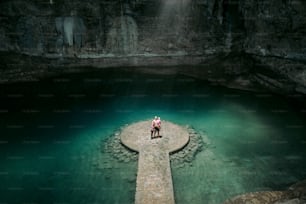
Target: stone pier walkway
[154,180]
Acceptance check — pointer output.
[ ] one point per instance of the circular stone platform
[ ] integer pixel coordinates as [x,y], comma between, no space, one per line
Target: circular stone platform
[179,159]
[154,180]
[137,136]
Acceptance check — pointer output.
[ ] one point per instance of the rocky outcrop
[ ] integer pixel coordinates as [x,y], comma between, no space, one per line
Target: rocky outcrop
[296,194]
[266,197]
[279,74]
[298,190]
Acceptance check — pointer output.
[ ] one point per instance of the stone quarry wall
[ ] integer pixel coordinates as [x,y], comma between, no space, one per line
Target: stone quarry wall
[268,37]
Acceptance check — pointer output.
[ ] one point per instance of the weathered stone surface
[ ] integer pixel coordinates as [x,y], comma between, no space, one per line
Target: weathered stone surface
[135,136]
[292,201]
[266,197]
[296,194]
[298,190]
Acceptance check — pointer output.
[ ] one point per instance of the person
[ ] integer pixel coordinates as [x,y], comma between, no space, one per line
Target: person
[155,127]
[159,124]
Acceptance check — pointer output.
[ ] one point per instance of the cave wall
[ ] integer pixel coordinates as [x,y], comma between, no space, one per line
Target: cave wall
[275,28]
[266,38]
[160,26]
[267,28]
[275,38]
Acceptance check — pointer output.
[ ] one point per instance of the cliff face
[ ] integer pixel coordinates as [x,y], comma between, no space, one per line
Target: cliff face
[275,38]
[258,40]
[105,27]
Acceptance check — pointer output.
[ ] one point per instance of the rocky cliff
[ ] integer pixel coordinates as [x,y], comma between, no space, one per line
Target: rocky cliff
[238,42]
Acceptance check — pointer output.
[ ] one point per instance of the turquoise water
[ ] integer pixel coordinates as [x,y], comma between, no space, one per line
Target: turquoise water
[53,132]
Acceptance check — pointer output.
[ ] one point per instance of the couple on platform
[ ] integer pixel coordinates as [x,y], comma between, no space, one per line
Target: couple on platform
[155,127]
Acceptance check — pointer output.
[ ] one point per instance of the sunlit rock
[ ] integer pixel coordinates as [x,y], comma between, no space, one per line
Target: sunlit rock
[71,31]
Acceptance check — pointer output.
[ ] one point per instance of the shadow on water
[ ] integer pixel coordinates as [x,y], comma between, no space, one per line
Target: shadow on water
[52,132]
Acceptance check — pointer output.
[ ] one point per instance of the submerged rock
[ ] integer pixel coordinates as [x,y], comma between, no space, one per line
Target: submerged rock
[296,194]
[299,190]
[291,201]
[190,151]
[114,147]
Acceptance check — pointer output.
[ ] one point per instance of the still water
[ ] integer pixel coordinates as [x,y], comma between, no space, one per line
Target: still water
[53,133]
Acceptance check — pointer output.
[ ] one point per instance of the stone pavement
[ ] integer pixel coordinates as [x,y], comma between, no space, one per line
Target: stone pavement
[154,180]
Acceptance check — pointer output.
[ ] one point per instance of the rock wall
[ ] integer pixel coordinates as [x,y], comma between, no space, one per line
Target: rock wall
[267,36]
[275,28]
[123,36]
[71,31]
[187,26]
[275,37]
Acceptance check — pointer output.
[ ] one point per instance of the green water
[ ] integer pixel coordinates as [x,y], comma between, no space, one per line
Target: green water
[52,136]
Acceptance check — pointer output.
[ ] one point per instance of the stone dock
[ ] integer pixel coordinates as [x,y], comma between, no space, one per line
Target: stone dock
[154,180]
